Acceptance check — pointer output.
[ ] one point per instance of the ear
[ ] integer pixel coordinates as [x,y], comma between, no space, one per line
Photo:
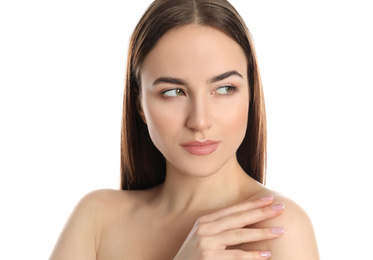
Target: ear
[139,109]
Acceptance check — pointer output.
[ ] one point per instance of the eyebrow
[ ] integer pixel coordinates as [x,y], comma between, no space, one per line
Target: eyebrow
[176,81]
[225,75]
[170,80]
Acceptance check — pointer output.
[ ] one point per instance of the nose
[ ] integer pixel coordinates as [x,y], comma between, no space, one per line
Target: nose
[199,117]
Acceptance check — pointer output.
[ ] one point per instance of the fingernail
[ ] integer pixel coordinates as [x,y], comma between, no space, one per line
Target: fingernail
[278,207]
[278,230]
[265,254]
[267,198]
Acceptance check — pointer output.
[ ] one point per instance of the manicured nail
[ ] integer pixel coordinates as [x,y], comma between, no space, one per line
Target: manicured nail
[278,207]
[278,230]
[266,254]
[267,198]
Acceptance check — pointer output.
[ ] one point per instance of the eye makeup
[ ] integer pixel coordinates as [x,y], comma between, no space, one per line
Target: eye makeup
[176,92]
[226,90]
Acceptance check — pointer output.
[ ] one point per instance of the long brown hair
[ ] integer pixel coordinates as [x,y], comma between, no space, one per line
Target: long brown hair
[142,165]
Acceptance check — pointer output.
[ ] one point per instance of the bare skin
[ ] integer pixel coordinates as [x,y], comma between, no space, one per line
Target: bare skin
[208,207]
[109,224]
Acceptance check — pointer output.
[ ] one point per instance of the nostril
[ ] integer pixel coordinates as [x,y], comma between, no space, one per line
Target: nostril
[199,123]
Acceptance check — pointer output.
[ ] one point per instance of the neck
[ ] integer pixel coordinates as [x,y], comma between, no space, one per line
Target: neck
[182,193]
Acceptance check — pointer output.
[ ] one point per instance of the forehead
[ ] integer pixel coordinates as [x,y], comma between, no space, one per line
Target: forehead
[194,51]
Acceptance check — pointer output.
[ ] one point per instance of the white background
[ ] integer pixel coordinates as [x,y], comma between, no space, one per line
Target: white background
[62,69]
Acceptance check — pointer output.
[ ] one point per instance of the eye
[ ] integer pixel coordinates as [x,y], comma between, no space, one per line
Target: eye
[225,90]
[177,92]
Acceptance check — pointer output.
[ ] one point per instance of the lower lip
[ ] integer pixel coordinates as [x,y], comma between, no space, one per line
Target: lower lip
[201,149]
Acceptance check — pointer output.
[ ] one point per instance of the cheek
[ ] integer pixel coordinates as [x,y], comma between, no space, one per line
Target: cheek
[163,123]
[237,129]
[234,116]
[233,123]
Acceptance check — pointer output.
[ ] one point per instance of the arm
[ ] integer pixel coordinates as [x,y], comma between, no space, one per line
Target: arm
[79,238]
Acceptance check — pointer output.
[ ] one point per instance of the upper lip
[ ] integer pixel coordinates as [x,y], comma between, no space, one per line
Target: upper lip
[200,143]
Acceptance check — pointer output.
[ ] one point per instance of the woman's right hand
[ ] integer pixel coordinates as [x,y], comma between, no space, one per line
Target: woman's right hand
[212,234]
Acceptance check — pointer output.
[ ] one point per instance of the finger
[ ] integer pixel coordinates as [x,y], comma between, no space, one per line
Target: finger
[243,218]
[242,206]
[237,254]
[245,235]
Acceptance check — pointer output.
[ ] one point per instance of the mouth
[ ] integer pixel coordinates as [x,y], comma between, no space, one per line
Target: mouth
[201,147]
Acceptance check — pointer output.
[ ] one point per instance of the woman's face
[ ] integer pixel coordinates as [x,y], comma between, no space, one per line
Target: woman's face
[194,88]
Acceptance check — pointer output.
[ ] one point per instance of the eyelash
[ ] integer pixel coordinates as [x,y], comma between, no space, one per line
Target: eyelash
[233,91]
[169,90]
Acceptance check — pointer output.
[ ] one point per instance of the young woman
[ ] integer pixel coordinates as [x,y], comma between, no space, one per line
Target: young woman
[193,151]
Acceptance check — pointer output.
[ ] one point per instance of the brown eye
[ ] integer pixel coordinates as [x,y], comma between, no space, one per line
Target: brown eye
[177,92]
[225,90]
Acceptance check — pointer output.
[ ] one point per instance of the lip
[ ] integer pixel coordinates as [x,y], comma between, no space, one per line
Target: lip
[201,147]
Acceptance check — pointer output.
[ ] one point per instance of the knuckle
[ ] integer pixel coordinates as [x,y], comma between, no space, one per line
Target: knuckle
[240,216]
[201,230]
[202,219]
[237,214]
[265,211]
[265,232]
[239,206]
[238,233]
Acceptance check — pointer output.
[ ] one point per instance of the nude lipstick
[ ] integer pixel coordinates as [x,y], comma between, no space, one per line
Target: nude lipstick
[201,147]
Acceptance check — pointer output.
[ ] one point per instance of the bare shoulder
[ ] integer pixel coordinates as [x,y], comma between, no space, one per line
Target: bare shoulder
[81,235]
[98,205]
[101,200]
[298,241]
